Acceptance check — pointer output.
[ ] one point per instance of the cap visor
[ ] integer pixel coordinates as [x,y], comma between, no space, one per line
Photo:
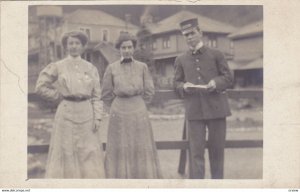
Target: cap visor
[187,30]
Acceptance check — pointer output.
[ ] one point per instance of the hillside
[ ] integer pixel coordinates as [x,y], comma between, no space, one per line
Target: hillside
[236,15]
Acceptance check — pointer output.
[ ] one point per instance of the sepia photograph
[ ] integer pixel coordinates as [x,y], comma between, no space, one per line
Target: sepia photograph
[161,94]
[145,91]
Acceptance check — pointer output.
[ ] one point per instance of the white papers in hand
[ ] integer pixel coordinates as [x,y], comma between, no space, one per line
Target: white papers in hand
[197,86]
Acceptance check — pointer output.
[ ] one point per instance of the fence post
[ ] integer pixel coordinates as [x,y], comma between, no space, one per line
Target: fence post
[182,158]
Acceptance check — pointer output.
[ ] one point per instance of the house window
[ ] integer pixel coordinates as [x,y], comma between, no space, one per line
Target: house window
[105,35]
[212,42]
[166,42]
[209,43]
[231,47]
[154,45]
[86,31]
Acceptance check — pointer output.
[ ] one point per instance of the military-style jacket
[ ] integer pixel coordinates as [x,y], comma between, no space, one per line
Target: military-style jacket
[207,64]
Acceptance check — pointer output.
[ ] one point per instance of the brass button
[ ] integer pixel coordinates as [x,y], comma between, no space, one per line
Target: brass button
[199,77]
[198,68]
[197,60]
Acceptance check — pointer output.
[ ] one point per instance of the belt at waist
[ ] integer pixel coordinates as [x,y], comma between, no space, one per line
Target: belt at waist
[128,96]
[75,99]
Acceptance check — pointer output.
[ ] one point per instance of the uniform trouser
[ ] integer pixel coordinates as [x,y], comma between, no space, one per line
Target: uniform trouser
[216,144]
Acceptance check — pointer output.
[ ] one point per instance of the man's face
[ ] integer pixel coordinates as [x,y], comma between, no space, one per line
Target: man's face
[127,49]
[192,37]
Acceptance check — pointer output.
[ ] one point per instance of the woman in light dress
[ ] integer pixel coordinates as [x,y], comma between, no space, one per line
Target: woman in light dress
[131,152]
[75,150]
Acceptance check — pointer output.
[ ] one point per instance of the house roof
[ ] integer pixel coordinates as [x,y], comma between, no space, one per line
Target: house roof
[248,30]
[175,54]
[95,17]
[166,55]
[246,65]
[108,51]
[206,24]
[91,45]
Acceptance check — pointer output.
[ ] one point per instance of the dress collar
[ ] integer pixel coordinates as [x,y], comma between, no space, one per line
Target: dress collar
[126,60]
[78,58]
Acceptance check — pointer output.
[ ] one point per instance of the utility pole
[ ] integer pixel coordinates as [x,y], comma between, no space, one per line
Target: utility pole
[127,21]
[49,18]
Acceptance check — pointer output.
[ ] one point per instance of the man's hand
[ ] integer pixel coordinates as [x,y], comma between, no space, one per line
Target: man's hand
[97,125]
[186,86]
[211,86]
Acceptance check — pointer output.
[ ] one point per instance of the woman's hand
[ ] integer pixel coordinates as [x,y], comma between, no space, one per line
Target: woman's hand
[97,125]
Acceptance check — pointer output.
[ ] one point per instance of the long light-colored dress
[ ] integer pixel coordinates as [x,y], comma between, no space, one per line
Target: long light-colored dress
[131,151]
[75,150]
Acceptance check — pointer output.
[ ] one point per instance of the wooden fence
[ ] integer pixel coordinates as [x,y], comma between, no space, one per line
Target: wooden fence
[183,145]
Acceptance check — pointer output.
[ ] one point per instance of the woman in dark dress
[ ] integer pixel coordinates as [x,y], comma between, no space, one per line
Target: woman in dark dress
[131,151]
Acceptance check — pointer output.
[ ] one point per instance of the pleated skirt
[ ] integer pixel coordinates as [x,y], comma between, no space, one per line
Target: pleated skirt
[131,151]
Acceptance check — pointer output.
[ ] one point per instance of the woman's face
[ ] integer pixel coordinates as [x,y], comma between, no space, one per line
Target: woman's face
[74,46]
[127,49]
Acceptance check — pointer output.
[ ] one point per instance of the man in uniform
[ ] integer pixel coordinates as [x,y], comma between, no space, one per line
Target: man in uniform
[206,106]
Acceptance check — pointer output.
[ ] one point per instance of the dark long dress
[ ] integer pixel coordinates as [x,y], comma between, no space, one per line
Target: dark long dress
[131,151]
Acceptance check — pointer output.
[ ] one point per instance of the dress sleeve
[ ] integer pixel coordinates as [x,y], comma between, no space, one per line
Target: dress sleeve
[96,96]
[107,87]
[44,86]
[148,85]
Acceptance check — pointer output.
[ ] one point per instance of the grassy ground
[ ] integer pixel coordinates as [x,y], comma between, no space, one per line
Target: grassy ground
[239,163]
